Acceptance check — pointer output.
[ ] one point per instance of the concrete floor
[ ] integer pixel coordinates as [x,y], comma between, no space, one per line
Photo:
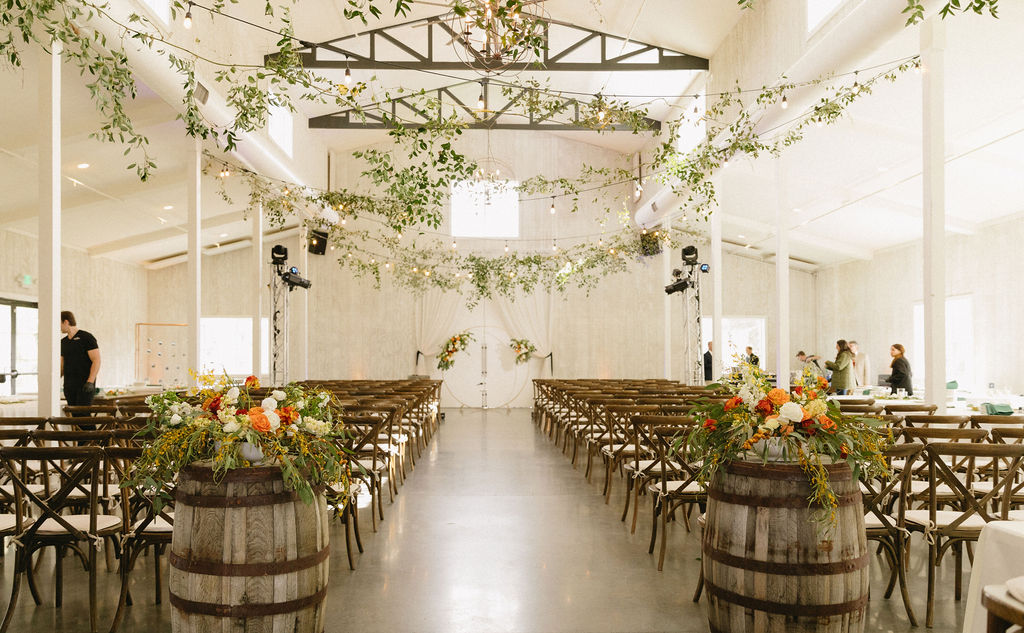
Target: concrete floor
[493,532]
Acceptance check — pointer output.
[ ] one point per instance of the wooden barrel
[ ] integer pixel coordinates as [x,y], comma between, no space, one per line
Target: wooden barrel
[767,567]
[247,554]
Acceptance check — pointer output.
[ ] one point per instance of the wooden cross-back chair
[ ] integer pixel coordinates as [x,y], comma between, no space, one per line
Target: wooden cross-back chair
[948,524]
[646,466]
[672,491]
[911,409]
[41,520]
[622,443]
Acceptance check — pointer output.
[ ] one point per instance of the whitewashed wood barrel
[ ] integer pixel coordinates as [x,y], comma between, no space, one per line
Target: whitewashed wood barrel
[247,554]
[766,566]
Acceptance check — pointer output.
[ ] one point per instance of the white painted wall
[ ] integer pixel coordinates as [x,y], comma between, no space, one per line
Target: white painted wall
[107,297]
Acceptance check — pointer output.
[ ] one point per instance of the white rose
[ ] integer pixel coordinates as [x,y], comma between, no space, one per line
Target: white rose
[175,420]
[301,404]
[232,427]
[791,411]
[278,395]
[231,395]
[269,404]
[771,425]
[274,419]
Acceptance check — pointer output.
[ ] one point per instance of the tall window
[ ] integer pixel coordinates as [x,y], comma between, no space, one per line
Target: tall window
[19,327]
[225,345]
[485,209]
[279,126]
[693,131]
[739,333]
[959,342]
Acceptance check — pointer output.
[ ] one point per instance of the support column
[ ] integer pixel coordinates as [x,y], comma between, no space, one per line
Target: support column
[194,281]
[256,219]
[933,44]
[49,232]
[717,335]
[666,268]
[782,298]
[304,305]
[782,347]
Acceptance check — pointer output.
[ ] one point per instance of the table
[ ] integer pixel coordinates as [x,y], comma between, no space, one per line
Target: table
[18,408]
[1003,609]
[998,557]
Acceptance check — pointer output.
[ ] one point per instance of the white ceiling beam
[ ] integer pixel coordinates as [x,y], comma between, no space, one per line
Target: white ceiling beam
[83,195]
[798,237]
[167,233]
[953,224]
[219,249]
[81,129]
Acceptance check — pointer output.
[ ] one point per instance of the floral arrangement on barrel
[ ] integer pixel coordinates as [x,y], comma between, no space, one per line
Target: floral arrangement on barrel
[457,343]
[802,426]
[232,426]
[524,350]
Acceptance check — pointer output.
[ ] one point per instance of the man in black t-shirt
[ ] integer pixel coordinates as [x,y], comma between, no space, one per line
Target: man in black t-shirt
[79,361]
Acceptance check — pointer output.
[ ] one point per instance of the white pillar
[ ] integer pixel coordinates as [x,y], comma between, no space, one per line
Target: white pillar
[666,267]
[256,220]
[304,305]
[781,298]
[194,281]
[717,336]
[49,232]
[933,43]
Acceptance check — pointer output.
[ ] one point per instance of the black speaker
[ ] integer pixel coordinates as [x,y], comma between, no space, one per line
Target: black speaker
[317,244]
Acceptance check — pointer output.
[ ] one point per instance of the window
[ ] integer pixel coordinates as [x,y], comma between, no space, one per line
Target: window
[279,126]
[818,11]
[225,345]
[959,342]
[485,209]
[739,333]
[159,8]
[693,134]
[19,347]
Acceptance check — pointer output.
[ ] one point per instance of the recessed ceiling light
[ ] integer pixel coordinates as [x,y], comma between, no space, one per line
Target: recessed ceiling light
[83,165]
[223,234]
[883,168]
[162,221]
[741,236]
[168,207]
[796,209]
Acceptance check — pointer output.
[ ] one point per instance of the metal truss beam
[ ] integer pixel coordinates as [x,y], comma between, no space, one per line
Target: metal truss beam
[429,44]
[496,115]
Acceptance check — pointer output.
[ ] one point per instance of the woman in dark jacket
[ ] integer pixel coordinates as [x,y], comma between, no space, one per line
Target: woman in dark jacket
[901,376]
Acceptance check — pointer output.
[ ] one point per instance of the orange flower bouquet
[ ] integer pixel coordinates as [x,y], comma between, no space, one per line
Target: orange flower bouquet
[764,423]
[229,426]
[454,345]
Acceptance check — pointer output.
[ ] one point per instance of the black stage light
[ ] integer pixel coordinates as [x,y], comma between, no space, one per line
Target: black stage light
[705,268]
[690,255]
[278,255]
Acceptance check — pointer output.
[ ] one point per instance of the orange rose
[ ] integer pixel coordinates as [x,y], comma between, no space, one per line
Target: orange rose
[806,414]
[778,397]
[258,420]
[826,423]
[785,429]
[252,382]
[732,403]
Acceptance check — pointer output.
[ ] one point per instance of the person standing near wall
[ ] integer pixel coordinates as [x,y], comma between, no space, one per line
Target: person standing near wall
[707,363]
[861,366]
[79,361]
[809,362]
[752,358]
[842,368]
[901,377]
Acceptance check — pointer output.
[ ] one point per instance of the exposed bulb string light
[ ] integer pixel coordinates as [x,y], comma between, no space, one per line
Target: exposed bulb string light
[187,22]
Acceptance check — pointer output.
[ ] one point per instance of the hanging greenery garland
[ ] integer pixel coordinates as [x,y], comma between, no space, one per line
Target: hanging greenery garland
[524,350]
[457,343]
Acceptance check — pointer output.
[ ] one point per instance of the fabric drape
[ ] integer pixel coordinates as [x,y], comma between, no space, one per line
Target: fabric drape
[528,317]
[435,317]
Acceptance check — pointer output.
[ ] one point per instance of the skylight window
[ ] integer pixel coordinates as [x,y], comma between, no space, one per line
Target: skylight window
[487,208]
[818,11]
[161,9]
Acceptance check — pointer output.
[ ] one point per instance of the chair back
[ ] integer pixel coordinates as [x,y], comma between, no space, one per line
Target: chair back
[935,421]
[926,409]
[989,506]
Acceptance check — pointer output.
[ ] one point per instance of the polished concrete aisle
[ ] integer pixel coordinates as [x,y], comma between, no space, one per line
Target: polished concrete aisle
[494,531]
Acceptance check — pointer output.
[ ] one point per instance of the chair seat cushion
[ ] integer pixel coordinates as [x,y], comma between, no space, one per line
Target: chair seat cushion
[104,523]
[653,465]
[676,487]
[157,525]
[943,518]
[8,522]
[36,489]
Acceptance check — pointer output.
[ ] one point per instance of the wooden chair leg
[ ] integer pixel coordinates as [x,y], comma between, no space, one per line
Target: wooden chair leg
[656,506]
[901,565]
[127,560]
[664,535]
[157,574]
[58,577]
[958,554]
[22,563]
[700,584]
[353,504]
[348,538]
[933,550]
[93,607]
[629,494]
[30,574]
[636,504]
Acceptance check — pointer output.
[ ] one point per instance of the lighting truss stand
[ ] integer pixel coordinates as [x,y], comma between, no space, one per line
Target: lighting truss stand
[279,292]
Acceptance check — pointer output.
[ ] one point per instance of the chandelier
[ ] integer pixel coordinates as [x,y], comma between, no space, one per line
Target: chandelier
[492,36]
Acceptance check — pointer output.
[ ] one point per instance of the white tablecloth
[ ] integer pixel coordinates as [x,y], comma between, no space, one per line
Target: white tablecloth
[998,557]
[21,409]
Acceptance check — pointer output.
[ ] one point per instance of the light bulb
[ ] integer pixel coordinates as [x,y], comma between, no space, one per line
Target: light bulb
[552,206]
[480,102]
[554,247]
[187,22]
[506,247]
[600,115]
[785,102]
[454,245]
[348,75]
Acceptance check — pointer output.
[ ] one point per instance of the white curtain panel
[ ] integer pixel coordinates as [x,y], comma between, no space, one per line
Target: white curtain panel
[528,317]
[435,317]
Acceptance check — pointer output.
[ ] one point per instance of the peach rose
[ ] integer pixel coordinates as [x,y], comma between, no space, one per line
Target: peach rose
[778,396]
[258,420]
